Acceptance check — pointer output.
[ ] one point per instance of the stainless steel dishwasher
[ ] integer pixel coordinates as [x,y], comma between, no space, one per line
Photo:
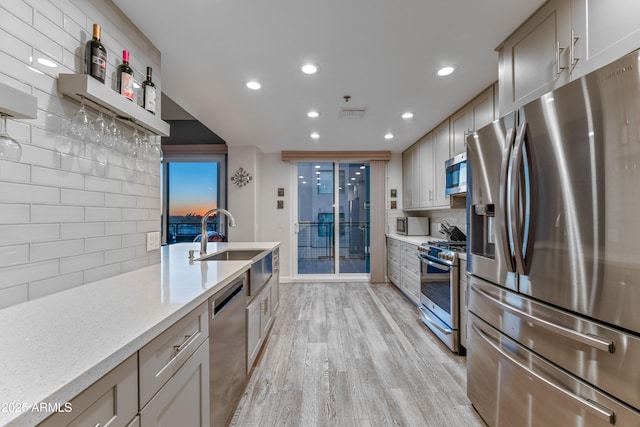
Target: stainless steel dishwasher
[228,350]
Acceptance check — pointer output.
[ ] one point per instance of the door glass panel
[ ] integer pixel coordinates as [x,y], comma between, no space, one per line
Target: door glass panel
[353,205]
[193,190]
[316,222]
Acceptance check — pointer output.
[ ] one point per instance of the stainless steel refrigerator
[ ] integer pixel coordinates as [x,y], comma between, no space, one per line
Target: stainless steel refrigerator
[554,257]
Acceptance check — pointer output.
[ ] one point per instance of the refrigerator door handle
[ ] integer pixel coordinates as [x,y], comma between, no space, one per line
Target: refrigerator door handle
[504,200]
[595,341]
[515,219]
[590,406]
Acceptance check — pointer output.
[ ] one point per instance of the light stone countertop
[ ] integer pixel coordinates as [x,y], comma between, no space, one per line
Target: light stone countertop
[52,348]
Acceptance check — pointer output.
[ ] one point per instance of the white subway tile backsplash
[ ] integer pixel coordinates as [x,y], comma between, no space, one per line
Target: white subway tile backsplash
[122,227]
[18,8]
[14,172]
[81,197]
[14,46]
[69,214]
[56,177]
[103,214]
[12,255]
[135,214]
[24,233]
[11,192]
[119,255]
[41,288]
[11,213]
[138,239]
[25,273]
[81,229]
[120,201]
[56,249]
[81,262]
[51,213]
[95,244]
[13,295]
[98,273]
[102,184]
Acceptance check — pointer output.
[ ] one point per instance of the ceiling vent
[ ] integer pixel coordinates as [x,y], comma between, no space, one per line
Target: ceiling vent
[352,113]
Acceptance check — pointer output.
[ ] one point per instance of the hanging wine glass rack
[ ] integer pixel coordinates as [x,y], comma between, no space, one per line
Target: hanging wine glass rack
[83,86]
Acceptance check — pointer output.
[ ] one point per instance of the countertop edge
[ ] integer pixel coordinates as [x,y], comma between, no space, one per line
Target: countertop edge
[83,380]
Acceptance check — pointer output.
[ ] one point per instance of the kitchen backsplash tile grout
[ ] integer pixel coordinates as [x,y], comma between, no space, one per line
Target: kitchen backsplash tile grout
[67,219]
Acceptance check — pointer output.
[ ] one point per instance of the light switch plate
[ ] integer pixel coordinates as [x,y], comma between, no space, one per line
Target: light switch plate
[153,241]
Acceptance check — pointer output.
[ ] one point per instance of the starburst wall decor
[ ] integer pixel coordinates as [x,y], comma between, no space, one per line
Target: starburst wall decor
[241,178]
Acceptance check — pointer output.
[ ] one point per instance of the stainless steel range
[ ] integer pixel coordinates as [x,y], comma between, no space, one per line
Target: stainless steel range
[439,296]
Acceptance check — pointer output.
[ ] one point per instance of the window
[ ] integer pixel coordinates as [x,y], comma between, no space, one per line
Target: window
[192,185]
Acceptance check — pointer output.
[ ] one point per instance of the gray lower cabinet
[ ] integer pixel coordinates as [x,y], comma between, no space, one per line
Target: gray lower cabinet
[259,320]
[111,401]
[184,399]
[403,268]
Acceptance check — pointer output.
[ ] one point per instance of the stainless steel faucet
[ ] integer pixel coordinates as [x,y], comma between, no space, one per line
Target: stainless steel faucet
[204,236]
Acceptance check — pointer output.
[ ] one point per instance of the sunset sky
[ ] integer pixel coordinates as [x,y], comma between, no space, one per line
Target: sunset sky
[193,188]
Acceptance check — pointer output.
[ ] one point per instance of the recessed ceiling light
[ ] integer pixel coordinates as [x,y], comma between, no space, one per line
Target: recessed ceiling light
[301,177]
[315,135]
[313,114]
[388,135]
[47,63]
[445,71]
[407,115]
[253,85]
[309,68]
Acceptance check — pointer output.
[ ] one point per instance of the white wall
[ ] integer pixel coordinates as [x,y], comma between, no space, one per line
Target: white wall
[65,218]
[243,202]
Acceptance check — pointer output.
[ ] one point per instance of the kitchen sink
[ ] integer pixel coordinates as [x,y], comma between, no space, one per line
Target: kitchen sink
[233,255]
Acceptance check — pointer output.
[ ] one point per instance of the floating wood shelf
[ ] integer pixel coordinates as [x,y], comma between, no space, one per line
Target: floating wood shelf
[83,86]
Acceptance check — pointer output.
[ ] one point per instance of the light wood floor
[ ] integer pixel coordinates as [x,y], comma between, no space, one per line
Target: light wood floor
[354,354]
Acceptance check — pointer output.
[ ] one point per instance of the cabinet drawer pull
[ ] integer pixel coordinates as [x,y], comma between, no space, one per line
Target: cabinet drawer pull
[178,348]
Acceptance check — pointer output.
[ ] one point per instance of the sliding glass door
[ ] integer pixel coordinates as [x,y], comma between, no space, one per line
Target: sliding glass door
[333,218]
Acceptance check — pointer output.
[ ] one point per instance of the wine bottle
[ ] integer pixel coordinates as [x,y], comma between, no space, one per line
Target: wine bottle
[149,93]
[96,56]
[125,77]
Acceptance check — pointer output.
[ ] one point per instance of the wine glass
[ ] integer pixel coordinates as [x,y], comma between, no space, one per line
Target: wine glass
[132,146]
[81,125]
[10,149]
[99,130]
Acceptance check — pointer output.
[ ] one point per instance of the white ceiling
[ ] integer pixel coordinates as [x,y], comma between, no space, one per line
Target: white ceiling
[382,53]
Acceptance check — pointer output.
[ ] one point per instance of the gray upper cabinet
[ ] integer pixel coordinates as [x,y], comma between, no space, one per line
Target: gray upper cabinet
[411,183]
[441,153]
[603,32]
[473,116]
[562,41]
[531,59]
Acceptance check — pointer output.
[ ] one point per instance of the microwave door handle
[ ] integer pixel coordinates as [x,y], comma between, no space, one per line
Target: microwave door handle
[504,202]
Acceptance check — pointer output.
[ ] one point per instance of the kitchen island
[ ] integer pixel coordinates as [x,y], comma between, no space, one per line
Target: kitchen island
[54,347]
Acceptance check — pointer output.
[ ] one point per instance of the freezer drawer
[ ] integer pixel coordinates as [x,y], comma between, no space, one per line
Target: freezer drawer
[601,355]
[511,386]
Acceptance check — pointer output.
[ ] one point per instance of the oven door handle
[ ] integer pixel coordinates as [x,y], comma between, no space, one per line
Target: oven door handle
[435,262]
[438,266]
[428,318]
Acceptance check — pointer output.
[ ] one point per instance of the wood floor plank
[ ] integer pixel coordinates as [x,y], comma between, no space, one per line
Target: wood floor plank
[353,354]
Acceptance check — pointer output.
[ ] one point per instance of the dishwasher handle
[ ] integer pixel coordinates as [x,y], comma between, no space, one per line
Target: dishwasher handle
[227,296]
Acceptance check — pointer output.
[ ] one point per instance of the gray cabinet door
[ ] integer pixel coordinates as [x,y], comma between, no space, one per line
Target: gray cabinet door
[530,63]
[441,153]
[425,177]
[184,399]
[603,31]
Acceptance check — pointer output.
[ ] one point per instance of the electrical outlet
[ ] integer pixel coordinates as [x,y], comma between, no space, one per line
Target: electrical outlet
[153,241]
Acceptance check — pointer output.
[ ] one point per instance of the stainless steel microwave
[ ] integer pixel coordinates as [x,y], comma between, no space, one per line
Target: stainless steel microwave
[413,226]
[456,174]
